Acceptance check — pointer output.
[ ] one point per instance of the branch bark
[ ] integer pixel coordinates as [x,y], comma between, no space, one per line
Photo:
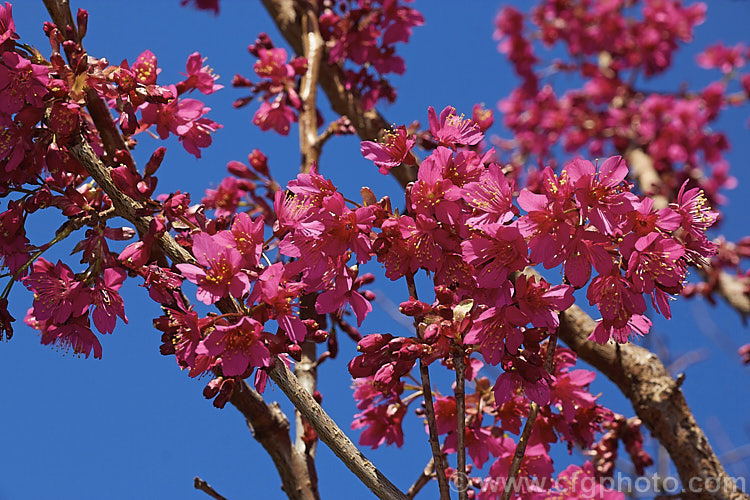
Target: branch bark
[270,428]
[657,400]
[368,124]
[424,373]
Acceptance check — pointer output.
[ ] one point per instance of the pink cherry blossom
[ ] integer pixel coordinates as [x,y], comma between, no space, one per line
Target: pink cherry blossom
[220,273]
[239,345]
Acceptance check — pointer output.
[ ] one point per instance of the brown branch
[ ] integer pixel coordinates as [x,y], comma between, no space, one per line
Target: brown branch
[424,373]
[200,484]
[270,428]
[460,393]
[332,435]
[368,124]
[523,441]
[657,400]
[306,369]
[427,474]
[312,50]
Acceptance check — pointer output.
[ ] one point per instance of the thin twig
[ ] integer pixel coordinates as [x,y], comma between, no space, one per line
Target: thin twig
[523,441]
[460,393]
[424,373]
[200,484]
[332,435]
[427,474]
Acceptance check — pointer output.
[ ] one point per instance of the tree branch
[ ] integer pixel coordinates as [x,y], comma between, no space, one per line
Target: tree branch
[460,393]
[200,484]
[422,480]
[424,373]
[270,428]
[368,124]
[656,399]
[523,440]
[332,435]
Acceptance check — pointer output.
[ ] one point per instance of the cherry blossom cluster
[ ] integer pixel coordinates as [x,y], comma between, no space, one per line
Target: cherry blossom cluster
[43,110]
[610,113]
[277,88]
[361,37]
[285,266]
[464,225]
[615,47]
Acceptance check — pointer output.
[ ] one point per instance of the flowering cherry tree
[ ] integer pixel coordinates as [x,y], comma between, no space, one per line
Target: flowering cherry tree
[600,200]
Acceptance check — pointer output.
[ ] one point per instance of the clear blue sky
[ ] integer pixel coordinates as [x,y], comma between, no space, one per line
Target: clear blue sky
[133,426]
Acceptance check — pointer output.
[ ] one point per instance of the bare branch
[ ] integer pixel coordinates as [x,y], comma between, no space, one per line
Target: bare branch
[523,441]
[368,124]
[460,393]
[332,435]
[657,400]
[200,484]
[427,474]
[270,428]
[424,373]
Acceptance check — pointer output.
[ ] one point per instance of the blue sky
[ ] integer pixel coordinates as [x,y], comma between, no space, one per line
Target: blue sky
[133,426]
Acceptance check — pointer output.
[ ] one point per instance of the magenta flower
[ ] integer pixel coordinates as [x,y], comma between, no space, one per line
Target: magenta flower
[279,294]
[346,229]
[225,198]
[21,82]
[272,64]
[644,220]
[382,424]
[393,150]
[697,215]
[183,118]
[220,274]
[539,301]
[496,331]
[479,443]
[724,58]
[6,320]
[451,130]
[491,197]
[433,195]
[199,77]
[75,334]
[511,382]
[616,298]
[248,238]
[203,5]
[637,324]
[497,254]
[7,25]
[146,68]
[341,293]
[654,260]
[107,302]
[58,295]
[13,141]
[482,117]
[569,390]
[601,196]
[239,346]
[276,115]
